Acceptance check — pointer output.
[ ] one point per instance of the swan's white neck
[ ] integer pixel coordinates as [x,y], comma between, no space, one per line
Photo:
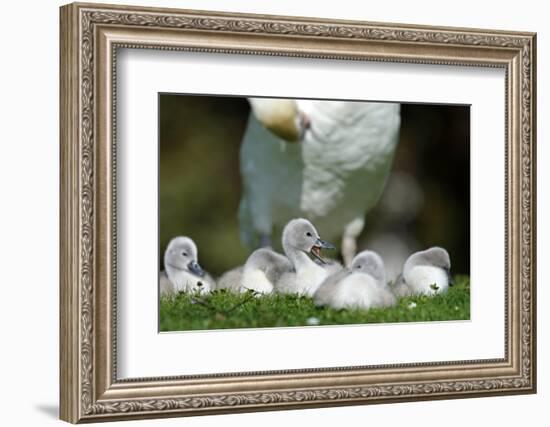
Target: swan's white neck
[299,259]
[308,275]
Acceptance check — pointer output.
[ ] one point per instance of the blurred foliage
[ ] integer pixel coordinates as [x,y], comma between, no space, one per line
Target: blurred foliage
[199,176]
[199,192]
[434,148]
[223,310]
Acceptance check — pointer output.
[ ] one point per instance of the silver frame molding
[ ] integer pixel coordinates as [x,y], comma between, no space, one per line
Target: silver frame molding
[90,37]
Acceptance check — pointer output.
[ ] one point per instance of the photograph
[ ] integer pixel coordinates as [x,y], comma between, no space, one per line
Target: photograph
[278,212]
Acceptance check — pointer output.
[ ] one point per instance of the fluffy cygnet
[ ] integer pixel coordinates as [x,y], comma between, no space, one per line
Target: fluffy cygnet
[182,270]
[300,241]
[262,270]
[231,280]
[362,286]
[425,273]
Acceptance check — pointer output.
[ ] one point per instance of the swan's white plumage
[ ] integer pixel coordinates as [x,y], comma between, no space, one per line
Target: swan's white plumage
[231,280]
[333,176]
[362,286]
[182,281]
[263,268]
[165,285]
[257,281]
[332,266]
[425,272]
[357,290]
[305,280]
[427,280]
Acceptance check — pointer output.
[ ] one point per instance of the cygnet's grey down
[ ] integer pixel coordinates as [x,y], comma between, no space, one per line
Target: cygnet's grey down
[301,242]
[425,273]
[231,280]
[265,268]
[182,270]
[362,286]
[330,265]
[262,270]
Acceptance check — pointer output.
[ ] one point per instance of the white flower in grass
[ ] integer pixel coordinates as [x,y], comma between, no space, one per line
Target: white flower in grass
[412,305]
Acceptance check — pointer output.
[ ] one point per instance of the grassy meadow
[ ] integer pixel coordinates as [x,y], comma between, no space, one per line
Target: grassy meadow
[225,310]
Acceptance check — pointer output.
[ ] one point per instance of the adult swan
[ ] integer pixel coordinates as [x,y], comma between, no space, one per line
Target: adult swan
[323,160]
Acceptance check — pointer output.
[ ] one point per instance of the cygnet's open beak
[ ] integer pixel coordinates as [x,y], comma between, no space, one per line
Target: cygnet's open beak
[195,268]
[316,249]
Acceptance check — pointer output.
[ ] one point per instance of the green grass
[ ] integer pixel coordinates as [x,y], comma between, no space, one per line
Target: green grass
[226,310]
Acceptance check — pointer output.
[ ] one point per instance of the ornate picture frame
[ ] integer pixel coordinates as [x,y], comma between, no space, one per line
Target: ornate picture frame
[90,37]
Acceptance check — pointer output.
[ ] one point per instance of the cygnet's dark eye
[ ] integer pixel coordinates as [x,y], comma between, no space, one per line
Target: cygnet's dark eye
[184,253]
[358,266]
[308,234]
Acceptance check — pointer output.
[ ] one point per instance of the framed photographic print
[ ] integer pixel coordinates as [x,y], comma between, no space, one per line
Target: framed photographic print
[266,212]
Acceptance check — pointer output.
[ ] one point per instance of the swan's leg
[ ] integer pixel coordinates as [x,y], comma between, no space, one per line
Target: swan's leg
[349,239]
[349,247]
[265,241]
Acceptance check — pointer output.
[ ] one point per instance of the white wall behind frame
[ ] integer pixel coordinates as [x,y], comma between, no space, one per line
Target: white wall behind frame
[29,171]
